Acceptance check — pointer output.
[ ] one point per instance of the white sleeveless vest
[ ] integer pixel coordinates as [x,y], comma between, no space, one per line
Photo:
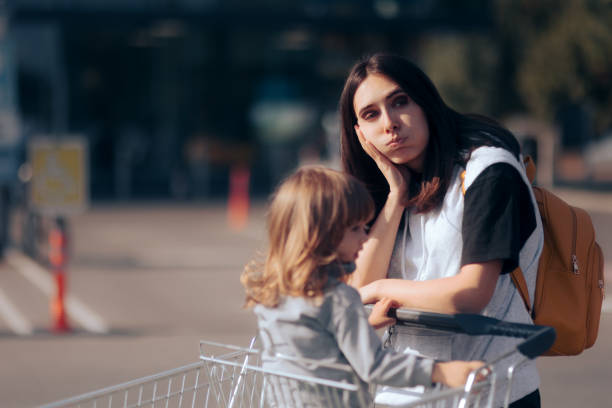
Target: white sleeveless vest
[430,247]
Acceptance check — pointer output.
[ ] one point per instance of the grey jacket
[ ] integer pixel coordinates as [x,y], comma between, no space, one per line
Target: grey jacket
[335,329]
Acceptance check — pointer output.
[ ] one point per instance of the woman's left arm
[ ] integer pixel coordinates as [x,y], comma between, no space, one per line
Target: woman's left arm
[467,292]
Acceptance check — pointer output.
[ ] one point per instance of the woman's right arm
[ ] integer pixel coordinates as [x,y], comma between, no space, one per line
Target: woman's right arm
[373,261]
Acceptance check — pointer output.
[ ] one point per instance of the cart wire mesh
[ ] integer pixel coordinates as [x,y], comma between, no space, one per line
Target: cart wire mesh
[228,376]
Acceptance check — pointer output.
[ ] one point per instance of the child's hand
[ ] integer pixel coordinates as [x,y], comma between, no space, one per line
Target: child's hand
[378,318]
[455,373]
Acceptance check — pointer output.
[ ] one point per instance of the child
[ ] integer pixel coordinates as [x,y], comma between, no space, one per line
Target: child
[316,226]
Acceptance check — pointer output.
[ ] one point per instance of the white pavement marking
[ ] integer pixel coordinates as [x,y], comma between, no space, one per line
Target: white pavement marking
[13,317]
[40,278]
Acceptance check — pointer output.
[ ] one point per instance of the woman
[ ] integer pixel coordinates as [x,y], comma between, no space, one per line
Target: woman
[455,212]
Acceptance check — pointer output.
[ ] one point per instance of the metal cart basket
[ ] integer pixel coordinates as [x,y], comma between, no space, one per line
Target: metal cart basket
[232,377]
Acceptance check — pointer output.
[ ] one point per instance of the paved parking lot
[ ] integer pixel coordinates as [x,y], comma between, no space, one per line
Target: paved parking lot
[147,282]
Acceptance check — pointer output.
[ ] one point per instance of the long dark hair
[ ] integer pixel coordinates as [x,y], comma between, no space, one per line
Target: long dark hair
[452,136]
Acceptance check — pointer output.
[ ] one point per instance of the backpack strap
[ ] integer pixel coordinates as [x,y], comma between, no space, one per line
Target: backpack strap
[519,282]
[530,168]
[517,275]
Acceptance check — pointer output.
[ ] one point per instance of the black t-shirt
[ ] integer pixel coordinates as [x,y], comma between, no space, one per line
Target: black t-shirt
[498,217]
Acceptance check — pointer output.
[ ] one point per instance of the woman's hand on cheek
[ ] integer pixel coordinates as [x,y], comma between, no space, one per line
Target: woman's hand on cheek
[397,176]
[368,147]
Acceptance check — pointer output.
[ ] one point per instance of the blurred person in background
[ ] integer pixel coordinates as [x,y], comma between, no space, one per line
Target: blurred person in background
[454,213]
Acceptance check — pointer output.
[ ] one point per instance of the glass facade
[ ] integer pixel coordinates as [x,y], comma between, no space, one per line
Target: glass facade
[172,94]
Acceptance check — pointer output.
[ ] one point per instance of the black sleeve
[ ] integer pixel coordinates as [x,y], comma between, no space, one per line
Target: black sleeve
[498,217]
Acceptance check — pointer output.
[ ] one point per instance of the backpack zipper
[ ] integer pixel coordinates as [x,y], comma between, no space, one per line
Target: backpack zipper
[600,280]
[574,258]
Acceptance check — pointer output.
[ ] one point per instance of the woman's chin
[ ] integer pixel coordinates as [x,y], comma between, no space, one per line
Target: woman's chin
[400,161]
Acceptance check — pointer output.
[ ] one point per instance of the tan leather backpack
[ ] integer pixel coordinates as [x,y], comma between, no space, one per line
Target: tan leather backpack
[570,281]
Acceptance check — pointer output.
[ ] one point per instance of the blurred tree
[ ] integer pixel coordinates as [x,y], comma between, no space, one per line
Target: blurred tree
[463,68]
[561,52]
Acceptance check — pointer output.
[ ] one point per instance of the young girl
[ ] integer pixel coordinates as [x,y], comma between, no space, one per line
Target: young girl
[316,227]
[455,211]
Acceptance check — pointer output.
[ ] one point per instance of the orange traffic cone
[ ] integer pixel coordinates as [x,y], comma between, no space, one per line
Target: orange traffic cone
[57,259]
[58,310]
[238,201]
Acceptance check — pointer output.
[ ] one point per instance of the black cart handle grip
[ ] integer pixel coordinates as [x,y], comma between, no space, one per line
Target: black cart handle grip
[539,338]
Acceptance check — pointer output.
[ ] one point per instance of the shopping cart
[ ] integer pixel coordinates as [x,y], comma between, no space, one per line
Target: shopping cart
[231,377]
[536,340]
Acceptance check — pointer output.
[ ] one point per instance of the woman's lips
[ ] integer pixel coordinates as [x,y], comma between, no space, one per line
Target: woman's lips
[396,142]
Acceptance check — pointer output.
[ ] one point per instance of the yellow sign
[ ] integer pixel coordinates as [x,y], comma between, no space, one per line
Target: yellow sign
[59,175]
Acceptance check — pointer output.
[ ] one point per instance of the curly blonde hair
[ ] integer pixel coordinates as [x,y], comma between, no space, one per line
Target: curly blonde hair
[307,218]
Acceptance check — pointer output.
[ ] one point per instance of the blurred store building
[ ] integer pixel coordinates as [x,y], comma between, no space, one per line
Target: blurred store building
[170,94]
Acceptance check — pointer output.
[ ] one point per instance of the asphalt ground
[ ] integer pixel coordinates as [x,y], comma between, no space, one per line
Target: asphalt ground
[147,282]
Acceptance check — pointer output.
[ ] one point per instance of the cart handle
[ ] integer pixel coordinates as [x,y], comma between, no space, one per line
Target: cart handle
[538,338]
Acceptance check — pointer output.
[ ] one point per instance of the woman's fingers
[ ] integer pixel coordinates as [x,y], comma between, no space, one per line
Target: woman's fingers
[384,164]
[369,148]
[397,176]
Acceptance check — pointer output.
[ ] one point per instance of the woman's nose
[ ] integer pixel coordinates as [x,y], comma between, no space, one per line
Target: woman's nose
[389,121]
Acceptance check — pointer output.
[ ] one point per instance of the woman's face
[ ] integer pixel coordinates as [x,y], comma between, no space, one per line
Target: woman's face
[391,121]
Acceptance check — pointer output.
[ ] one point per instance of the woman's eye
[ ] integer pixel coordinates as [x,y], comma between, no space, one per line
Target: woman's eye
[369,115]
[400,101]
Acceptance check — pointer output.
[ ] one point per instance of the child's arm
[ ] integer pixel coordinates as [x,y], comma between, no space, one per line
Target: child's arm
[362,347]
